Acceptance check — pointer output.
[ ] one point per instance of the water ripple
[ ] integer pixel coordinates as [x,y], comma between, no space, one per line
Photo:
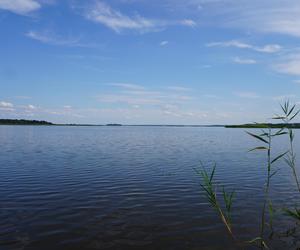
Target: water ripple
[125,188]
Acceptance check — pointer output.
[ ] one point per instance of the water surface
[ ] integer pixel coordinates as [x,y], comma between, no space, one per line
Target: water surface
[128,187]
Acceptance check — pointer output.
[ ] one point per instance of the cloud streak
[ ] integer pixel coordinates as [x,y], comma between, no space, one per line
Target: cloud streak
[274,16]
[163,43]
[129,86]
[269,48]
[104,14]
[289,65]
[21,7]
[138,95]
[248,95]
[52,39]
[239,60]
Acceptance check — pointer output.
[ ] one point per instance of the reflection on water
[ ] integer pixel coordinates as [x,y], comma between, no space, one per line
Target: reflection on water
[126,187]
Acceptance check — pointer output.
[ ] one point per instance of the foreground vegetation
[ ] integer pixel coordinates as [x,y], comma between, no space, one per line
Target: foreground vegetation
[222,201]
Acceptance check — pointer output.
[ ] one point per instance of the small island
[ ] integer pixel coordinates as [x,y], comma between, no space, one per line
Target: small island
[113,124]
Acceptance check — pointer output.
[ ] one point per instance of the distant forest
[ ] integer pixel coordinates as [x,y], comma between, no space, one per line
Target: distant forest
[23,122]
[265,125]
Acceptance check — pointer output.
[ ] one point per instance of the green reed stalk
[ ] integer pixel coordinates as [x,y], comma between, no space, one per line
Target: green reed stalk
[262,230]
[210,191]
[289,114]
[265,137]
[292,158]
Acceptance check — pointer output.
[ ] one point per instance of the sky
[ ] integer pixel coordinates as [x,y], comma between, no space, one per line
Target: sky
[148,62]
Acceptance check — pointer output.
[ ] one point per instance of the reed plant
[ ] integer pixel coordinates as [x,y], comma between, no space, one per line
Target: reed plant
[210,189]
[265,137]
[289,112]
[288,115]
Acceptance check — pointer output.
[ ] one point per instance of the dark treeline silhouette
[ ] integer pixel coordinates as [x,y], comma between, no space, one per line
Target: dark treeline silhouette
[23,122]
[113,124]
[265,125]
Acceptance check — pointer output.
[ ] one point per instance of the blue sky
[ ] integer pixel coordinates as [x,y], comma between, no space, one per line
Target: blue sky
[148,62]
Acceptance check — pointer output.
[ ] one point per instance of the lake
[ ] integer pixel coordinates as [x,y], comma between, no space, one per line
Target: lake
[129,187]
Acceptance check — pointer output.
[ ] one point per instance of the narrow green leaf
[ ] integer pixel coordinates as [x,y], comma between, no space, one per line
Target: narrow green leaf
[275,172]
[278,157]
[286,106]
[283,108]
[294,115]
[291,110]
[257,137]
[212,173]
[279,117]
[258,148]
[292,213]
[281,133]
[271,210]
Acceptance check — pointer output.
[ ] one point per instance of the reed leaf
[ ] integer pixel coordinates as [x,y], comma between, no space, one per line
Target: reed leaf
[278,157]
[291,110]
[294,115]
[292,213]
[258,148]
[257,137]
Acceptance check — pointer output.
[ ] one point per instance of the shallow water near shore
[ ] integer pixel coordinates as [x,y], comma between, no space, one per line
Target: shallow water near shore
[129,187]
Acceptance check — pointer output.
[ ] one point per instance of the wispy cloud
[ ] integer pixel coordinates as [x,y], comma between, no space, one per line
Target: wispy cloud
[164,43]
[22,97]
[239,60]
[205,66]
[269,48]
[188,22]
[127,99]
[250,95]
[178,88]
[283,97]
[290,64]
[133,94]
[53,39]
[6,106]
[269,17]
[129,86]
[103,13]
[176,111]
[30,106]
[21,7]
[212,96]
[276,16]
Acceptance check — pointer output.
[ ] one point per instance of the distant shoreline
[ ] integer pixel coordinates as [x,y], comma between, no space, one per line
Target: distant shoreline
[265,125]
[24,122]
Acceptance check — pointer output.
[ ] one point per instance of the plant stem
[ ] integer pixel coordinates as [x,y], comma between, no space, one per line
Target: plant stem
[292,156]
[226,223]
[266,190]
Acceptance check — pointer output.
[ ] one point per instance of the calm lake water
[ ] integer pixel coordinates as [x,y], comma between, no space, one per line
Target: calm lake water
[129,187]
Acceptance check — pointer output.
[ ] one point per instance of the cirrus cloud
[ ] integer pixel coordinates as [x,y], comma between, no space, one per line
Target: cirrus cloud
[269,48]
[21,7]
[102,13]
[239,60]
